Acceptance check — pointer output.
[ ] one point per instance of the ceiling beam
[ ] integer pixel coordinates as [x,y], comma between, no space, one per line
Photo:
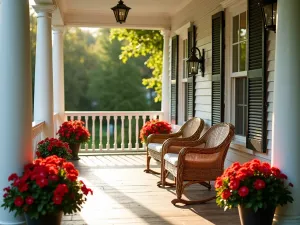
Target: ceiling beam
[153,22]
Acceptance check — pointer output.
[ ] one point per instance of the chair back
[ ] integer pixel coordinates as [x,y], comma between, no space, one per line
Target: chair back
[192,128]
[219,137]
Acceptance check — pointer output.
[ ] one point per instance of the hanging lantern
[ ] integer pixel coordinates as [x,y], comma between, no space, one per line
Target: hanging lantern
[269,12]
[121,12]
[193,62]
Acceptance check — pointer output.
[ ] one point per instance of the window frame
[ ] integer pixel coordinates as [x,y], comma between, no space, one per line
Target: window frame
[182,77]
[230,81]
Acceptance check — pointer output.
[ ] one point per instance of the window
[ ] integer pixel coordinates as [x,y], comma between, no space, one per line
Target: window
[185,76]
[239,43]
[239,72]
[240,105]
[186,82]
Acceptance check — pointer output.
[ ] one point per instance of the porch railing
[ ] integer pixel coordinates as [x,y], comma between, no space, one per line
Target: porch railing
[37,134]
[113,130]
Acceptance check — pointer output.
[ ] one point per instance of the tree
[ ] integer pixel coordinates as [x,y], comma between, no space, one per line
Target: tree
[143,43]
[79,63]
[116,86]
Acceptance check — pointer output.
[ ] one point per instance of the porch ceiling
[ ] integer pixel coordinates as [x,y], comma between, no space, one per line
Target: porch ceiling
[147,14]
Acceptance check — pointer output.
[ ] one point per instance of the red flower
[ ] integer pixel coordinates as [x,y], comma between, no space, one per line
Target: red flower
[7,189]
[219,182]
[61,190]
[23,187]
[291,185]
[13,177]
[226,194]
[259,184]
[19,201]
[86,190]
[53,177]
[154,127]
[29,200]
[42,182]
[234,184]
[57,199]
[243,191]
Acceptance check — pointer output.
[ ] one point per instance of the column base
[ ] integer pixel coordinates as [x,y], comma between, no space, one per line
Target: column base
[286,220]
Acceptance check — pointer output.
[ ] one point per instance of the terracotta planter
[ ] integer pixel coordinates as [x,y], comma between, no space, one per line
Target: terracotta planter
[261,217]
[51,219]
[75,149]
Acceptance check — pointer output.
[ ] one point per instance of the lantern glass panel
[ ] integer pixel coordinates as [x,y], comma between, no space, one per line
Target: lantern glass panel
[122,14]
[194,66]
[270,14]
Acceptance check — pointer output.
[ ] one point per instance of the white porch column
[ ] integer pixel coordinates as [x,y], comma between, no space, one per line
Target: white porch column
[58,72]
[15,95]
[43,87]
[165,103]
[286,122]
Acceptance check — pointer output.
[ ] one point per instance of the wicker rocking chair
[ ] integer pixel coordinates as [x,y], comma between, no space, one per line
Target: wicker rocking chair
[198,162]
[190,131]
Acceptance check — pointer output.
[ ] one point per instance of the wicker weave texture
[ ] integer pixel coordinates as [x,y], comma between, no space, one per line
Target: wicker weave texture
[201,160]
[190,131]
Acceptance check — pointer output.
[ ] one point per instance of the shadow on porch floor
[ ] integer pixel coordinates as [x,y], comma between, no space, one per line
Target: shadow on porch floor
[124,194]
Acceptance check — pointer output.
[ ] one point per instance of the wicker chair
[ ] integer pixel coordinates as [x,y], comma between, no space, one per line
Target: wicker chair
[199,161]
[190,131]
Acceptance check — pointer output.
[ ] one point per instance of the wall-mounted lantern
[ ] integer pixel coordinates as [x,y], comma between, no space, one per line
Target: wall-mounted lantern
[193,62]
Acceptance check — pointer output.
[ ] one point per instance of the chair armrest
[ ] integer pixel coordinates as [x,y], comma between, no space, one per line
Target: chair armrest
[200,151]
[159,138]
[179,142]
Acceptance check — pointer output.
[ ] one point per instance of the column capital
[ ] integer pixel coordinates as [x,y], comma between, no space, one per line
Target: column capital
[166,32]
[58,29]
[44,10]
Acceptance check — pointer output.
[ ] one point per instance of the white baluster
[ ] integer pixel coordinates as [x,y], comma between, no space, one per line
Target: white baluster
[115,133]
[100,133]
[87,127]
[137,132]
[93,133]
[108,133]
[129,133]
[160,116]
[71,117]
[122,132]
[144,121]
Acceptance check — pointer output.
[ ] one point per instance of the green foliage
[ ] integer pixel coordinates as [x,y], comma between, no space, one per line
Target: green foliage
[95,79]
[53,146]
[147,43]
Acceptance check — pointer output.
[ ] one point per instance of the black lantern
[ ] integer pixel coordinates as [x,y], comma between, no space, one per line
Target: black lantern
[193,62]
[269,11]
[121,12]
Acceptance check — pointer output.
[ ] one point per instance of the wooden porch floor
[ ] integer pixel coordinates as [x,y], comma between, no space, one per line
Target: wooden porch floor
[124,194]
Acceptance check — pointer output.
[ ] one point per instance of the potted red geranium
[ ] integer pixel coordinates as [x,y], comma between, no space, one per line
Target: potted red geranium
[53,146]
[154,127]
[47,189]
[255,188]
[74,133]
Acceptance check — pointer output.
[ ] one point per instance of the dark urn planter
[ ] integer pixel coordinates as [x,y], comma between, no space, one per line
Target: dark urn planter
[75,149]
[261,217]
[51,219]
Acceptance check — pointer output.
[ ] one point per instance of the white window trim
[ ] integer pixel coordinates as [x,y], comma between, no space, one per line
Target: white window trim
[233,10]
[183,35]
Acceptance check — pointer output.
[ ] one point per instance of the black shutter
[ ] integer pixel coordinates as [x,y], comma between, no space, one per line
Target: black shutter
[190,87]
[217,68]
[256,79]
[174,80]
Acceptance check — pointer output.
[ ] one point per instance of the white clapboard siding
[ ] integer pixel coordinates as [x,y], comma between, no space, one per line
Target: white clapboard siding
[199,12]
